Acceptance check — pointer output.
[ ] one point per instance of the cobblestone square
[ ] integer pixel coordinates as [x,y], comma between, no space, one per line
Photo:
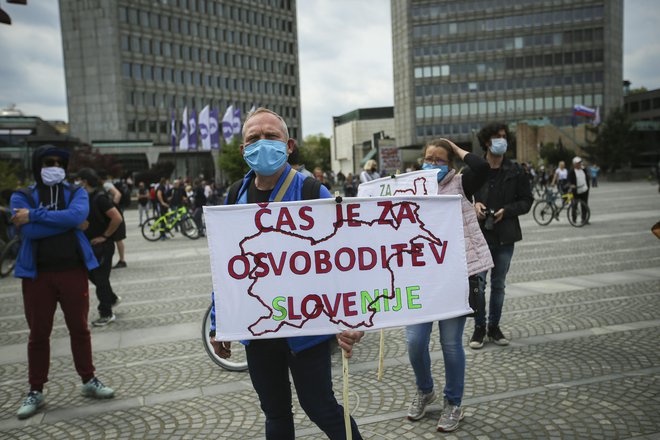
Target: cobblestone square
[582,313]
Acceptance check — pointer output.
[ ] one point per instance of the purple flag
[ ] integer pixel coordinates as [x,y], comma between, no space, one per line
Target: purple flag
[214,129]
[227,120]
[204,134]
[236,122]
[173,131]
[183,139]
[192,130]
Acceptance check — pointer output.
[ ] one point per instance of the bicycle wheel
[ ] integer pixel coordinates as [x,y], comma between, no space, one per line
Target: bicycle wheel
[151,229]
[8,257]
[578,213]
[189,228]
[238,359]
[543,212]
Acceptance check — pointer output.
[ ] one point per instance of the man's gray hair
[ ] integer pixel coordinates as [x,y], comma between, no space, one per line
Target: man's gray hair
[285,129]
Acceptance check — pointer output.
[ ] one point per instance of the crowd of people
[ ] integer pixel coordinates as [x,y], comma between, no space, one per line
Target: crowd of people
[71,230]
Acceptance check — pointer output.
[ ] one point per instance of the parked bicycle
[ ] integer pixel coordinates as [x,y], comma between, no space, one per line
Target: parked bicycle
[154,228]
[238,359]
[551,206]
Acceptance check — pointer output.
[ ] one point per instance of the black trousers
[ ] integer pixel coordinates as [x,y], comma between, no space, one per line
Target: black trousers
[100,277]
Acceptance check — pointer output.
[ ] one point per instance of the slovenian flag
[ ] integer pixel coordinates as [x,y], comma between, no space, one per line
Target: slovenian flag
[580,110]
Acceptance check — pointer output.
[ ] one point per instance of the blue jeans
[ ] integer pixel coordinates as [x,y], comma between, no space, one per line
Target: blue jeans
[269,362]
[502,255]
[451,339]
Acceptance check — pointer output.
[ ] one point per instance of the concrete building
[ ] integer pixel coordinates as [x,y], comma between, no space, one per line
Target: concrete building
[130,63]
[461,63]
[20,135]
[356,135]
[644,109]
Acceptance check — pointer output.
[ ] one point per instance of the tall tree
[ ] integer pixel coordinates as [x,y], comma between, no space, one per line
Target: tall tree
[616,143]
[315,152]
[231,161]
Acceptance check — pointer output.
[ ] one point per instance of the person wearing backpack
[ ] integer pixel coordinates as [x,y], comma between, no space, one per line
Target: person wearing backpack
[266,145]
[102,224]
[53,261]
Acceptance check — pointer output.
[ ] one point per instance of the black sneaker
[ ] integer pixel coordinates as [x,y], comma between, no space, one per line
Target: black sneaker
[495,335]
[120,264]
[477,339]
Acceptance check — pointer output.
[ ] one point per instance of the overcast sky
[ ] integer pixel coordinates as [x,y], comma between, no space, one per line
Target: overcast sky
[345,57]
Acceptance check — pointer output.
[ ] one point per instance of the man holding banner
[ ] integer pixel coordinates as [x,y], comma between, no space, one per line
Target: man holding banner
[266,146]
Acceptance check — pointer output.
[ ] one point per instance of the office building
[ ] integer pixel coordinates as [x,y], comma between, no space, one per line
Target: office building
[643,108]
[461,63]
[356,136]
[130,64]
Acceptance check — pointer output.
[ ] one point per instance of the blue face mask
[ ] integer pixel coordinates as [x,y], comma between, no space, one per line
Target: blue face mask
[498,146]
[442,169]
[265,156]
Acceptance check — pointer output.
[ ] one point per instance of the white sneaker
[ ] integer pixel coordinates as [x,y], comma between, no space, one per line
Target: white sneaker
[417,408]
[95,388]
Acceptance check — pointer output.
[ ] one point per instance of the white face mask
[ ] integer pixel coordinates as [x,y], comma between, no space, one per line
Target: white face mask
[52,175]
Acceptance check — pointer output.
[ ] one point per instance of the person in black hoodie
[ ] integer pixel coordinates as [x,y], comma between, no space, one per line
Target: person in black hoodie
[505,195]
[103,221]
[53,262]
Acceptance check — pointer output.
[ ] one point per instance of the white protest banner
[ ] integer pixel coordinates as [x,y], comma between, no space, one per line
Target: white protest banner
[318,267]
[419,183]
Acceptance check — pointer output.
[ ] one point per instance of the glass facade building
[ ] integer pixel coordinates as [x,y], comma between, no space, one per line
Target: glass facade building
[460,64]
[130,63]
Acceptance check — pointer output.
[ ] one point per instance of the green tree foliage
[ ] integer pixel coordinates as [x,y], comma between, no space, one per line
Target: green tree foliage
[230,160]
[8,180]
[315,152]
[85,156]
[553,153]
[155,172]
[614,144]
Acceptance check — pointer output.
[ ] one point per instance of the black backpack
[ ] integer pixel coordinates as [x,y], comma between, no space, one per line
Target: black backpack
[125,200]
[311,190]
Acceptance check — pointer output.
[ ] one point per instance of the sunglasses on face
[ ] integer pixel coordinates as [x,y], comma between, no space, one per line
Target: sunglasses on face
[52,162]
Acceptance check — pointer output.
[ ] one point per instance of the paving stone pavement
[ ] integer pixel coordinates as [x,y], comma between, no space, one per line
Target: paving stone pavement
[582,312]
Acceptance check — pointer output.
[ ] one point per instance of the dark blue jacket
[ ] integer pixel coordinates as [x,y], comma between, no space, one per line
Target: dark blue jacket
[294,192]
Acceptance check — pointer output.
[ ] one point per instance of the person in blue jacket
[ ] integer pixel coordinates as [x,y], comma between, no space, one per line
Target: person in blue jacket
[266,146]
[53,261]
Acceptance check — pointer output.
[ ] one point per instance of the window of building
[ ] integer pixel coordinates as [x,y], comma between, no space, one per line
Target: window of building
[132,16]
[136,71]
[144,19]
[547,104]
[558,102]
[164,23]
